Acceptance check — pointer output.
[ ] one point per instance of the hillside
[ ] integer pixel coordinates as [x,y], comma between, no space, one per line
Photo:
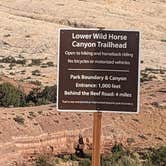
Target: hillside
[28,58]
[43,127]
[29,30]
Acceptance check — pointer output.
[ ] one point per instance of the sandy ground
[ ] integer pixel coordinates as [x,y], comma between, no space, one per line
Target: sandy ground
[29,29]
[146,129]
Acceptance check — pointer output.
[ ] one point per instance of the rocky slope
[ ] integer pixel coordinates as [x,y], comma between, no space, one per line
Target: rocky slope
[29,30]
[43,129]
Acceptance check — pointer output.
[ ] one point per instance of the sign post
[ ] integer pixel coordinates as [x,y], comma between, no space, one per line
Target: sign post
[97,117]
[98,71]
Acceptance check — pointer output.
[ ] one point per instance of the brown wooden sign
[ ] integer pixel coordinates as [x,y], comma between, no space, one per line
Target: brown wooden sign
[98,70]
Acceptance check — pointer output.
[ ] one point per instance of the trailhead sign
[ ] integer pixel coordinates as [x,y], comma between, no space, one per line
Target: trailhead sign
[98,70]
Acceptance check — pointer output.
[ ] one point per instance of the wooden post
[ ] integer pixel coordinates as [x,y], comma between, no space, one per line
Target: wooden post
[97,116]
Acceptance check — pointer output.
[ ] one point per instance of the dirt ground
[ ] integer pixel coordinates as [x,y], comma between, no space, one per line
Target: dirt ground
[146,129]
[29,30]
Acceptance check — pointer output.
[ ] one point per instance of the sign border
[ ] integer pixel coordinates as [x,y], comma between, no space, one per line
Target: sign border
[92,111]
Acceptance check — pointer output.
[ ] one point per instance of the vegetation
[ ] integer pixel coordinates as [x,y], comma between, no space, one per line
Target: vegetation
[19,120]
[146,75]
[50,63]
[13,96]
[118,156]
[35,62]
[163,40]
[149,74]
[13,60]
[47,64]
[36,82]
[38,97]
[36,73]
[155,157]
[43,161]
[1,66]
[49,93]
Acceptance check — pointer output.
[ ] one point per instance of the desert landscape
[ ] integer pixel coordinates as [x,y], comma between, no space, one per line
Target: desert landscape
[28,60]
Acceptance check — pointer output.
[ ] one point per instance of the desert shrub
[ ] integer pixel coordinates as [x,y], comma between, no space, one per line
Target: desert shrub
[130,140]
[23,71]
[43,66]
[43,161]
[127,161]
[12,73]
[50,63]
[36,73]
[66,158]
[155,104]
[36,82]
[49,160]
[12,65]
[21,61]
[38,97]
[155,157]
[8,59]
[34,97]
[146,75]
[85,162]
[119,156]
[1,66]
[74,157]
[12,60]
[117,148]
[163,40]
[40,112]
[36,62]
[32,114]
[142,136]
[11,96]
[19,120]
[49,93]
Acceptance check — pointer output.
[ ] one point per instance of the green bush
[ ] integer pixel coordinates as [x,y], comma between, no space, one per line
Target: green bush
[34,97]
[43,161]
[1,66]
[127,161]
[12,60]
[36,82]
[120,156]
[74,157]
[49,93]
[38,97]
[11,96]
[130,140]
[19,120]
[36,73]
[148,74]
[85,162]
[36,62]
[50,63]
[156,157]
[163,40]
